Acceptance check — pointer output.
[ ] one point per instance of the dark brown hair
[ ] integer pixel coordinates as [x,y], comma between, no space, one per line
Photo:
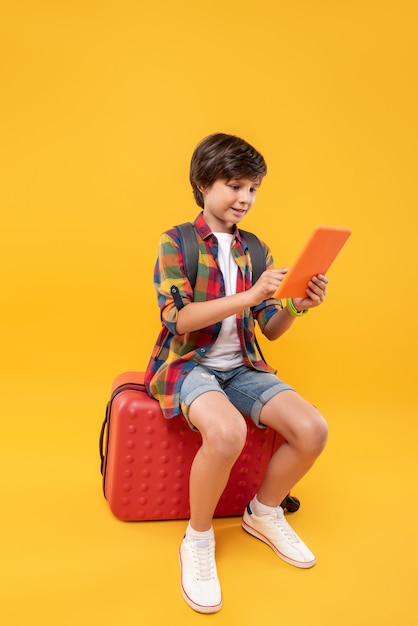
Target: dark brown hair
[224,156]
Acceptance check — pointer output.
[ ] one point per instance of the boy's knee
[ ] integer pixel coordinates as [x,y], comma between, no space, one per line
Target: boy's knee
[316,437]
[227,441]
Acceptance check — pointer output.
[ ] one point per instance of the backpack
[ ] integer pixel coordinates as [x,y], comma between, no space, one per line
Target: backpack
[190,251]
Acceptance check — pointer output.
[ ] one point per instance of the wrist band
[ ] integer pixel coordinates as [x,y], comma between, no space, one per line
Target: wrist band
[293,310]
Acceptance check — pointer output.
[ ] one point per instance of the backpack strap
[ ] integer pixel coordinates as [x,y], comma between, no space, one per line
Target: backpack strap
[190,250]
[257,255]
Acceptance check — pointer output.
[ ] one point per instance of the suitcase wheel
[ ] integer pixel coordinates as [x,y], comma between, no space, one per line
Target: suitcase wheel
[290,504]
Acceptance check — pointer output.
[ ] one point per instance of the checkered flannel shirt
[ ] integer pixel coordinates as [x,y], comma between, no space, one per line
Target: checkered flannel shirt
[174,355]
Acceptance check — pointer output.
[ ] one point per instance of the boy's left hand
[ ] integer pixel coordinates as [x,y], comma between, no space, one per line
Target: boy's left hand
[316,292]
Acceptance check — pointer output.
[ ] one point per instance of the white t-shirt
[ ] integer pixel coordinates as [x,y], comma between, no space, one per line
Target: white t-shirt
[226,353]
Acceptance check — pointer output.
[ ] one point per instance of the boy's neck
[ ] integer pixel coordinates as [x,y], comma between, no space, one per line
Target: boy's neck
[218,226]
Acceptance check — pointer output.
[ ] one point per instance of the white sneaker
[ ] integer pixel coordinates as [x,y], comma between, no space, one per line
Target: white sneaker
[199,579]
[274,530]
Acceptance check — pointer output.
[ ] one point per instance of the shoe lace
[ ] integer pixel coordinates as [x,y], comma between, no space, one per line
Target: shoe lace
[282,525]
[203,559]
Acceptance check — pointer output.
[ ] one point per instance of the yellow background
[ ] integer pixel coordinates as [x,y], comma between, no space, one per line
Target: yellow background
[102,104]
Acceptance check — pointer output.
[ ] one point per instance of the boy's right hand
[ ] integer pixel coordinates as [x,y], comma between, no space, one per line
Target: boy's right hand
[267,284]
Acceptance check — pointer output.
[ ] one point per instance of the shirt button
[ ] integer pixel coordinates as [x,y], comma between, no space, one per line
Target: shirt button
[203,350]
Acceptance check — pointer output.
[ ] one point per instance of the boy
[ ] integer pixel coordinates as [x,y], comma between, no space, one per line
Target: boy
[205,365]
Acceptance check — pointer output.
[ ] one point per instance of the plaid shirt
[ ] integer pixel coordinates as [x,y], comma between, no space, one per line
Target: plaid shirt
[174,356]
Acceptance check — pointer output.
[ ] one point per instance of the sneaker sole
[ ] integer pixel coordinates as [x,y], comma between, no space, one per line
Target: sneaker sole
[252,531]
[197,607]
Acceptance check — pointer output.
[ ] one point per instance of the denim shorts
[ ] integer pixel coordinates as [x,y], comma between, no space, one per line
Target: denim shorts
[247,389]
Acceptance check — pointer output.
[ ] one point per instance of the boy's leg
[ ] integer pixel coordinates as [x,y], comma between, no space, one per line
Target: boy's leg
[305,433]
[223,431]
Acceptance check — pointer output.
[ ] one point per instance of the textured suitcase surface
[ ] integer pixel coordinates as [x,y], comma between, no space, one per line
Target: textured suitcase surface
[147,459]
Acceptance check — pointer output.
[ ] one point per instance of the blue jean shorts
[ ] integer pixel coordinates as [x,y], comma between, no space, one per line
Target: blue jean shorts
[247,389]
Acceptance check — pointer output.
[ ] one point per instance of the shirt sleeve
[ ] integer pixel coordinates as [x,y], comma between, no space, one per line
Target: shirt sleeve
[170,279]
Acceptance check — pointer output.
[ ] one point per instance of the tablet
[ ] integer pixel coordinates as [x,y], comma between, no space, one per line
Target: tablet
[316,257]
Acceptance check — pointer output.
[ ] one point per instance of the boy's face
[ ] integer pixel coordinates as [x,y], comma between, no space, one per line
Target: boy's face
[226,202]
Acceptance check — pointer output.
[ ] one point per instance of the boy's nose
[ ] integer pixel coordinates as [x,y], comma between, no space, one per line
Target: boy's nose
[244,196]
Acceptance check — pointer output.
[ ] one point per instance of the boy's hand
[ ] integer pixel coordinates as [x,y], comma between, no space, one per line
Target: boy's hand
[316,292]
[267,284]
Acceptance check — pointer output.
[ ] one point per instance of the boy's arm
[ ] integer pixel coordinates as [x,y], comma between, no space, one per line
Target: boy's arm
[283,320]
[197,315]
[278,324]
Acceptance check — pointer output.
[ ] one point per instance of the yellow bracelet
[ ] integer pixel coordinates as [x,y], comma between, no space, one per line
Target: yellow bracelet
[293,310]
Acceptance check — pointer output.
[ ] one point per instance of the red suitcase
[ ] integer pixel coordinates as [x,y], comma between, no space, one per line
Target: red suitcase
[146,458]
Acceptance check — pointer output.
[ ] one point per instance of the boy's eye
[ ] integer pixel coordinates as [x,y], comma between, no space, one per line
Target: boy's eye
[236,187]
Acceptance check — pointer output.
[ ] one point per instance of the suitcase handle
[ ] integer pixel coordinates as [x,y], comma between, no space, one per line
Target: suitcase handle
[101,439]
[128,386]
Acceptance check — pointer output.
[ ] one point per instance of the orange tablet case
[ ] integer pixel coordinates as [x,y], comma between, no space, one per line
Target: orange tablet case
[315,258]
